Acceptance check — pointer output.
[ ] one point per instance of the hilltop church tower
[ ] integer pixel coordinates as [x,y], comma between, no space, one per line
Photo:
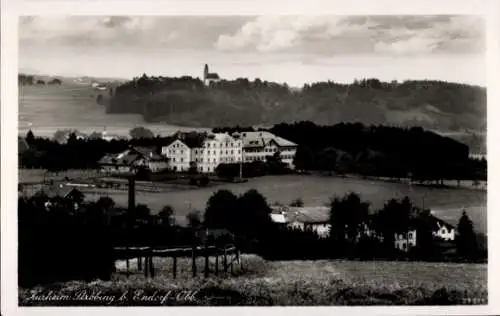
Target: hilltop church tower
[208,77]
[205,72]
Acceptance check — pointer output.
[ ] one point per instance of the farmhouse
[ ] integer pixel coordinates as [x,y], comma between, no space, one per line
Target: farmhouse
[313,218]
[442,231]
[55,193]
[132,160]
[258,145]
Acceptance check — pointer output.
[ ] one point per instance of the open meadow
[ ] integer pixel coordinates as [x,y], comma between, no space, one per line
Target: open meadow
[46,109]
[323,282]
[316,190]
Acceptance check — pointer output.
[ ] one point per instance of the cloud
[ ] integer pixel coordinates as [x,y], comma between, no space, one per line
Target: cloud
[95,31]
[324,35]
[357,34]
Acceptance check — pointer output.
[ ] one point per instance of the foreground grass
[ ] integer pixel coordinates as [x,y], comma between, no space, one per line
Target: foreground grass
[296,283]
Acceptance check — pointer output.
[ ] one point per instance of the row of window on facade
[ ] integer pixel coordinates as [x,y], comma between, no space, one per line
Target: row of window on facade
[231,151]
[263,158]
[207,160]
[210,145]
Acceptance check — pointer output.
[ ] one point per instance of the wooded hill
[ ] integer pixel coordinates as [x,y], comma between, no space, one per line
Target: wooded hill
[433,105]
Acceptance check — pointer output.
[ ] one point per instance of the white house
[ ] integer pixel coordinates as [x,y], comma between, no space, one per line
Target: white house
[314,218]
[442,231]
[406,241]
[179,155]
[258,145]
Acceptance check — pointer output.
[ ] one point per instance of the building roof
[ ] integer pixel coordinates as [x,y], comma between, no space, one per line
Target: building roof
[278,218]
[441,222]
[191,140]
[149,152]
[306,214]
[263,138]
[127,157]
[58,191]
[197,141]
[212,75]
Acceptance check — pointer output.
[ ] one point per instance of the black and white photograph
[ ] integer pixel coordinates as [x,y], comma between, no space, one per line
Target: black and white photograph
[267,160]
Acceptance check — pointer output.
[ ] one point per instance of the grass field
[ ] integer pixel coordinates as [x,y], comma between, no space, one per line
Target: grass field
[46,109]
[314,190]
[298,283]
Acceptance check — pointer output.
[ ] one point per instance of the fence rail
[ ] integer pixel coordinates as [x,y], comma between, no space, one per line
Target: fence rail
[148,253]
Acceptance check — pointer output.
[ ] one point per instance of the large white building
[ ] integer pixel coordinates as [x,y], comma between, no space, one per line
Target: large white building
[216,149]
[206,154]
[179,155]
[258,145]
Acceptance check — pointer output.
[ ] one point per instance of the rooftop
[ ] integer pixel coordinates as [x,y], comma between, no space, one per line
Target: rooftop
[263,138]
[306,214]
[130,155]
[58,191]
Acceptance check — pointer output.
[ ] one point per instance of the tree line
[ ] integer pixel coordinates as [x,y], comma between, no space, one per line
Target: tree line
[382,151]
[30,80]
[74,238]
[185,100]
[346,148]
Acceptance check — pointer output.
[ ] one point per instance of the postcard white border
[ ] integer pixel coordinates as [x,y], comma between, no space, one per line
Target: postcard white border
[11,9]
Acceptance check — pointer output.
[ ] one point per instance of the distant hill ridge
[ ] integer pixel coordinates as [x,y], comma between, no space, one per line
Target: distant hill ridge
[68,79]
[435,105]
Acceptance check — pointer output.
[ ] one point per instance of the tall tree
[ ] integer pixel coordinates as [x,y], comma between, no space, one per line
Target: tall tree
[141,132]
[167,215]
[30,137]
[466,239]
[221,210]
[348,217]
[254,220]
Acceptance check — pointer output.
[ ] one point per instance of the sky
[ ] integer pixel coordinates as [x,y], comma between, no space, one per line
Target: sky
[292,49]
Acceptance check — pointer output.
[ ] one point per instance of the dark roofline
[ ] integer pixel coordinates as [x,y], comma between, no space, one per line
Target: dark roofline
[212,75]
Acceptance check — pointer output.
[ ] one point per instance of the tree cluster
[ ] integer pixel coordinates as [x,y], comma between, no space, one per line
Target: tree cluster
[76,242]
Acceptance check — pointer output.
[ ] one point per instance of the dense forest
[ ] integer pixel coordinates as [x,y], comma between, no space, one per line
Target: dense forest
[434,105]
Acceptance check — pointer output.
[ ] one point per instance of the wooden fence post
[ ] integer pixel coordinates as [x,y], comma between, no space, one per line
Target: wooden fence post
[239,260]
[151,268]
[175,266]
[206,261]
[232,263]
[225,260]
[139,263]
[216,261]
[127,263]
[193,257]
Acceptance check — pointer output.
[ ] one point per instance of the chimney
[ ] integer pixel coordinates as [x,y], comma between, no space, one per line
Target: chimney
[131,193]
